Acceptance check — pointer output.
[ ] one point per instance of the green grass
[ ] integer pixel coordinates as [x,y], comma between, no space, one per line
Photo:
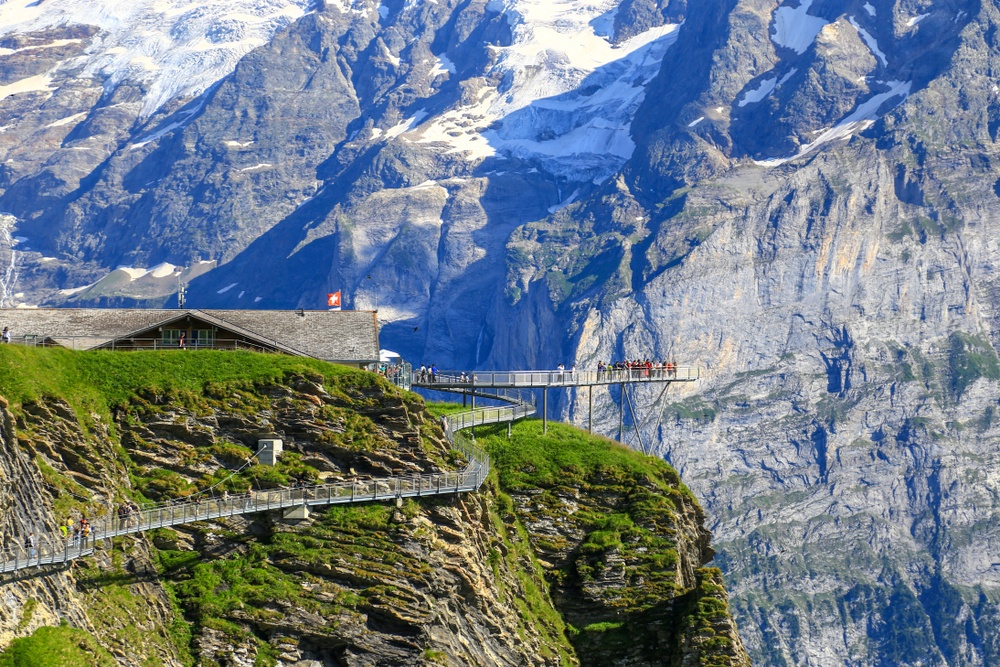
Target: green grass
[970,358]
[58,646]
[101,379]
[441,408]
[566,455]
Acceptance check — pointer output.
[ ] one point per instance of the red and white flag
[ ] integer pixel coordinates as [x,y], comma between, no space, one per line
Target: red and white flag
[333,300]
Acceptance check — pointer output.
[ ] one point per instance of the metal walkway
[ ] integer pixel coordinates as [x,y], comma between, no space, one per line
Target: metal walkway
[54,550]
[552,379]
[473,383]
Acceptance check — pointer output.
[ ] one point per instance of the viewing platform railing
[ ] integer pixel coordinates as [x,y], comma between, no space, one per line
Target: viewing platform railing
[544,379]
[133,343]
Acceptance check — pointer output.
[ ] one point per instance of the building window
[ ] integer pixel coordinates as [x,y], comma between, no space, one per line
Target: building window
[203,338]
[171,337]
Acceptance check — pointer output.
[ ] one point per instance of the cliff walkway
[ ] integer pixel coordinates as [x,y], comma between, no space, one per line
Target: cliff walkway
[52,549]
[472,384]
[504,387]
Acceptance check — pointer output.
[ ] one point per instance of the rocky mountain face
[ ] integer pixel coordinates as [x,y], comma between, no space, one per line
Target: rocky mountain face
[604,567]
[797,197]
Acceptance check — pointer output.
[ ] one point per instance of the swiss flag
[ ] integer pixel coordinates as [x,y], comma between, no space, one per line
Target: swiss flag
[333,300]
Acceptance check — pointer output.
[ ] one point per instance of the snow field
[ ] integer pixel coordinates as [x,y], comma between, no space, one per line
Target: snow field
[178,47]
[795,28]
[559,46]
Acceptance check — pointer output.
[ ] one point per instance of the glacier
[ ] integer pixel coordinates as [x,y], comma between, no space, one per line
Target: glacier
[177,48]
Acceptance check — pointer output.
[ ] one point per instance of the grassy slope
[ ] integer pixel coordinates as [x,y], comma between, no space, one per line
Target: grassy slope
[103,379]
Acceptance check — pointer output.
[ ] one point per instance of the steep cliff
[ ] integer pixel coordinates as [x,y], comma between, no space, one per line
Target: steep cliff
[576,552]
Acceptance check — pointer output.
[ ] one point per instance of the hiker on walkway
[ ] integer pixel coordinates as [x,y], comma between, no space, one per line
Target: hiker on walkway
[84,532]
[30,543]
[5,337]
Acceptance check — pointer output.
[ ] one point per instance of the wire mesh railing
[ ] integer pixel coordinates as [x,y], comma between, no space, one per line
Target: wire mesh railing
[555,378]
[53,549]
[132,343]
[56,549]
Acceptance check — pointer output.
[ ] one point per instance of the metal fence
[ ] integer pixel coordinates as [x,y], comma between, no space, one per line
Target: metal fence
[53,549]
[565,378]
[131,343]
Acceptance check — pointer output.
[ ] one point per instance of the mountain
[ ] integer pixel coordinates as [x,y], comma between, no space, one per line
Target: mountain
[576,551]
[797,197]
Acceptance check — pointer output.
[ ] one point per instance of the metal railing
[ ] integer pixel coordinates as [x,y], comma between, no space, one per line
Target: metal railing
[564,378]
[398,374]
[52,550]
[132,343]
[55,550]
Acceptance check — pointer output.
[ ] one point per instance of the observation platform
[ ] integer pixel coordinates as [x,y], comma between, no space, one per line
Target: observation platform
[551,379]
[474,383]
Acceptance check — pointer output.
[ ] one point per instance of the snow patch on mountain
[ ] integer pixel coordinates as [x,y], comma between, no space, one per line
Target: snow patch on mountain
[34,84]
[69,120]
[765,89]
[568,94]
[870,41]
[860,119]
[442,65]
[178,48]
[795,28]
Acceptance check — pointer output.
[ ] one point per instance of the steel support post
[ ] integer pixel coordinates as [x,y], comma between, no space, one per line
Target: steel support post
[590,408]
[545,411]
[621,409]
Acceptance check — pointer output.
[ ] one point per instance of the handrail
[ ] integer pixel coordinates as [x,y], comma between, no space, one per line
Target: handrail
[132,343]
[56,550]
[553,378]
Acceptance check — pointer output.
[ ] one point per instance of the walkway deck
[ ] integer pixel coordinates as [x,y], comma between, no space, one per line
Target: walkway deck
[552,379]
[53,550]
[472,383]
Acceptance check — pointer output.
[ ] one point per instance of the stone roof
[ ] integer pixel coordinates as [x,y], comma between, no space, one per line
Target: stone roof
[347,335]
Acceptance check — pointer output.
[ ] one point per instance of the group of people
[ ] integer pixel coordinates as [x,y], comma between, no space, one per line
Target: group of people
[75,533]
[128,515]
[637,368]
[426,374]
[391,372]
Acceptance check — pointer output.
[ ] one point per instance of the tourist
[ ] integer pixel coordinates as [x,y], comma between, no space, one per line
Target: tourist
[5,337]
[30,543]
[182,341]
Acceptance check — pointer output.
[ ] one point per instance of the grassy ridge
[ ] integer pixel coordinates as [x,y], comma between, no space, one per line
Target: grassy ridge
[101,379]
[56,647]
